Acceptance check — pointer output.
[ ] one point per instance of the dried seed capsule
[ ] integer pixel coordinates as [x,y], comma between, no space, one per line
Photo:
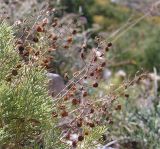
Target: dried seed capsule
[95,84]
[95,59]
[35,39]
[69,40]
[104,137]
[106,49]
[14,72]
[80,138]
[126,95]
[39,28]
[54,114]
[79,124]
[85,77]
[92,110]
[64,113]
[91,125]
[109,44]
[54,24]
[82,55]
[92,74]
[74,144]
[75,101]
[21,49]
[85,94]
[8,79]
[118,107]
[74,32]
[66,46]
[37,53]
[65,98]
[103,64]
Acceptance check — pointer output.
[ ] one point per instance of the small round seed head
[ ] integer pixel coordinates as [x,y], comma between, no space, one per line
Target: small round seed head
[109,44]
[39,28]
[79,124]
[69,39]
[80,138]
[75,101]
[64,113]
[74,32]
[126,95]
[95,84]
[74,144]
[107,49]
[118,107]
[35,39]
[92,110]
[85,94]
[91,125]
[103,64]
[14,72]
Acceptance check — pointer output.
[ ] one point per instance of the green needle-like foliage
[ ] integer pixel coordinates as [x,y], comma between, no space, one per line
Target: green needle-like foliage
[25,108]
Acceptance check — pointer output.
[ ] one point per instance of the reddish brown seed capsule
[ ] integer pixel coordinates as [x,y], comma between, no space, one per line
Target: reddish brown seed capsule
[79,124]
[86,133]
[35,39]
[85,94]
[82,55]
[118,107]
[39,28]
[74,144]
[69,39]
[91,125]
[80,138]
[109,44]
[64,113]
[54,37]
[106,49]
[99,69]
[67,136]
[9,79]
[54,114]
[62,107]
[54,24]
[75,101]
[103,64]
[14,72]
[65,98]
[92,110]
[37,53]
[126,95]
[74,32]
[92,74]
[95,59]
[85,77]
[21,49]
[26,53]
[95,84]
[66,46]
[45,61]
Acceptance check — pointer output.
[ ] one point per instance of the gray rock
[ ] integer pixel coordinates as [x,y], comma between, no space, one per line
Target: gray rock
[56,84]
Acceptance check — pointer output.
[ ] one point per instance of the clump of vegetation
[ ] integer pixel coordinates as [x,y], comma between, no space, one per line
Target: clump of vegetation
[89,112]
